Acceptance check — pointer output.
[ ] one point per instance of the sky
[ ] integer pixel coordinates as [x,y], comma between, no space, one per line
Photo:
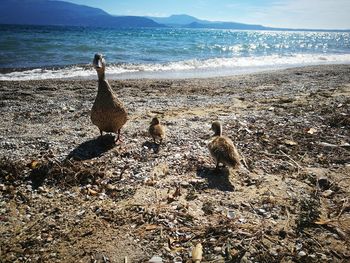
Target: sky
[325,14]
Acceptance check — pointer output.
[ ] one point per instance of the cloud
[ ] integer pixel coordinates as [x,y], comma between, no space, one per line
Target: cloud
[305,14]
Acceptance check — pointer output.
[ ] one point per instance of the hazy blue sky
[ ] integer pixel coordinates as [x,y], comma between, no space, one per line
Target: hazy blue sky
[277,13]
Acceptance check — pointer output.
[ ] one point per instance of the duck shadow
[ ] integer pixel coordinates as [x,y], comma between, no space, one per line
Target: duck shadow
[151,145]
[217,179]
[92,148]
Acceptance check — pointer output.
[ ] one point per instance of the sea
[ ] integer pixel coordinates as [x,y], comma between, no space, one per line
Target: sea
[49,52]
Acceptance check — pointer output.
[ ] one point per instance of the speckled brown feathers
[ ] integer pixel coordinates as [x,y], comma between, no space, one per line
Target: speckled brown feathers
[156,130]
[222,148]
[108,112]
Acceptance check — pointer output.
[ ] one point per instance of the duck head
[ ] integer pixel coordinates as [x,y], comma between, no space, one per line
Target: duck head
[99,64]
[155,121]
[216,127]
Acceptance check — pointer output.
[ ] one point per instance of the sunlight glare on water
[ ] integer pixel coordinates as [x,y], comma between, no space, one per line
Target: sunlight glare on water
[186,51]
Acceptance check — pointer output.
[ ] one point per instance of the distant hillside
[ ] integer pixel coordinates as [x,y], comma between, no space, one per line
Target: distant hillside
[193,22]
[186,21]
[226,25]
[44,12]
[47,12]
[178,20]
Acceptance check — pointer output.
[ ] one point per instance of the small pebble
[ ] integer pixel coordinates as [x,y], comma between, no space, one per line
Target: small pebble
[155,259]
[217,249]
[261,211]
[230,214]
[177,156]
[302,254]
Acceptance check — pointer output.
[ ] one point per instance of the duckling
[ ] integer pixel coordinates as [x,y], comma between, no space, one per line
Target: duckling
[108,112]
[156,130]
[222,148]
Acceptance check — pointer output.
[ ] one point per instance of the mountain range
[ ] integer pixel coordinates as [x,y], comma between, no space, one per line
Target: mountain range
[192,22]
[51,12]
[45,12]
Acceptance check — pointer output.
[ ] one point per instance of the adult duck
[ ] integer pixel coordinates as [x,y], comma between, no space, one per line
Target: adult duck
[108,112]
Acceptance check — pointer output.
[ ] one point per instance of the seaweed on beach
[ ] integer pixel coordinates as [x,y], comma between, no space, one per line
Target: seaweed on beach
[309,212]
[11,171]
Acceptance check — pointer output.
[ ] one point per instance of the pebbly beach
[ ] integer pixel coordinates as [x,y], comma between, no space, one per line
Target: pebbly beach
[69,196]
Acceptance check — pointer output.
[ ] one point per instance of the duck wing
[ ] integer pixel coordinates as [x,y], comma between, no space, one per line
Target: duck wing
[223,150]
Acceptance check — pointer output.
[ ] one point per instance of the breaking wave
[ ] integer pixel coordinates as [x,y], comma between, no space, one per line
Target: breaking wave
[181,69]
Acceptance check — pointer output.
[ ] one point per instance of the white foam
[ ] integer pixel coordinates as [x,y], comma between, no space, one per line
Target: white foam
[183,69]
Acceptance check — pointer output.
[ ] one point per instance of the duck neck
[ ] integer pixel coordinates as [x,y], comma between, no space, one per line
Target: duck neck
[101,76]
[218,131]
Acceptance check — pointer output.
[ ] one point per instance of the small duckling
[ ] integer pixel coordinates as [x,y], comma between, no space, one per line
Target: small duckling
[156,130]
[222,148]
[108,112]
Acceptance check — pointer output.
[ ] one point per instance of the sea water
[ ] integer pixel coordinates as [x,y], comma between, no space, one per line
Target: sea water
[45,52]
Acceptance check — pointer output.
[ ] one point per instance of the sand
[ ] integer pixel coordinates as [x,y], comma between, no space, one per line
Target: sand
[69,196]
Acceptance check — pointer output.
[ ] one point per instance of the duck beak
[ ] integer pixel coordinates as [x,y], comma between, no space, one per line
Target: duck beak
[97,63]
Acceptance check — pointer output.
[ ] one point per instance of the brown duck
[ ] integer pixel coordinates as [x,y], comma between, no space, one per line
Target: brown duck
[222,148]
[108,112]
[156,130]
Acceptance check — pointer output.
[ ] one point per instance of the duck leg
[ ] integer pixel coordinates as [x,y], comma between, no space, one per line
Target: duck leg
[118,137]
[217,167]
[100,132]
